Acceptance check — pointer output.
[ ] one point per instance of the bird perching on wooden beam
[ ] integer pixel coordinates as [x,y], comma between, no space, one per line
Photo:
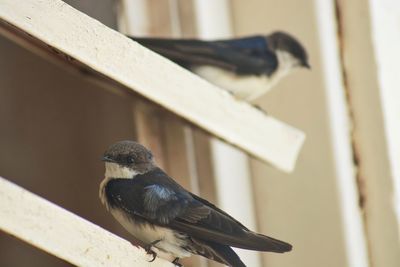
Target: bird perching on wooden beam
[247,67]
[168,218]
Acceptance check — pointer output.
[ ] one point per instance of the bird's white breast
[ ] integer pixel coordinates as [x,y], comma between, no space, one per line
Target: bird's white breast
[170,241]
[247,87]
[242,87]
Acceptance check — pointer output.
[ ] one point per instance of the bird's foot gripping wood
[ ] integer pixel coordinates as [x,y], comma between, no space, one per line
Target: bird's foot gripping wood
[150,251]
[176,262]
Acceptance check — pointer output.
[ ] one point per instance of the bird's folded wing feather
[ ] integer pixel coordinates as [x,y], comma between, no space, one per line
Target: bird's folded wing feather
[217,252]
[244,56]
[218,227]
[160,200]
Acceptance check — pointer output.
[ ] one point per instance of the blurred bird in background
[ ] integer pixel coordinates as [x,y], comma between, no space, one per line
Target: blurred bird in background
[166,217]
[247,67]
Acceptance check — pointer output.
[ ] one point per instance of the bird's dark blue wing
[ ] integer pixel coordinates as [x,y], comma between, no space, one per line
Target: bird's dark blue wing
[217,226]
[246,56]
[158,199]
[251,45]
[148,196]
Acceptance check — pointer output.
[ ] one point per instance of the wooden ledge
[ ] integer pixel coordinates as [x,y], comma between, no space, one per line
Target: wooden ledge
[64,234]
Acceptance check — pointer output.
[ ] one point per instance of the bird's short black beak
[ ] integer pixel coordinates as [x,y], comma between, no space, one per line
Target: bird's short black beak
[306,65]
[107,159]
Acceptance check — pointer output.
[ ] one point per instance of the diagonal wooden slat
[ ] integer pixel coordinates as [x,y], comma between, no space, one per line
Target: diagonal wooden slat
[64,234]
[83,40]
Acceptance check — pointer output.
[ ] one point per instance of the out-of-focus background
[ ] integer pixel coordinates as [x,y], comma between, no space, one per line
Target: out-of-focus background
[340,207]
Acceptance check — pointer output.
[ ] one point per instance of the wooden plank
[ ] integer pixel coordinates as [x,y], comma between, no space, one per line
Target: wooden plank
[163,132]
[385,18]
[187,18]
[85,40]
[149,130]
[230,166]
[320,198]
[64,234]
[159,17]
[340,127]
[204,163]
[367,54]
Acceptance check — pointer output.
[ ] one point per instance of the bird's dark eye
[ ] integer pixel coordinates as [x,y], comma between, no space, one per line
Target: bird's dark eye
[130,159]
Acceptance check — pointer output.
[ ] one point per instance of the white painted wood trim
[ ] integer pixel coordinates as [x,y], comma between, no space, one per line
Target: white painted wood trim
[353,227]
[64,234]
[231,166]
[137,23]
[385,18]
[210,12]
[109,53]
[233,184]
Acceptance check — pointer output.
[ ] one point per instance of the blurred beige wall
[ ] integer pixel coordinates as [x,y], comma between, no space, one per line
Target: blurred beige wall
[301,207]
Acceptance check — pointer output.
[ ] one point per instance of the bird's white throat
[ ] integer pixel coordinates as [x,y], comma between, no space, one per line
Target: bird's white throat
[286,62]
[114,170]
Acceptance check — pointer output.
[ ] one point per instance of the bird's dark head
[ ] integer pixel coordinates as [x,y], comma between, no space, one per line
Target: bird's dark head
[125,159]
[288,49]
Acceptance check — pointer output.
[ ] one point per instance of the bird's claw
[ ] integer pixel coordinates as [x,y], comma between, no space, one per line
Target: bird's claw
[176,263]
[150,251]
[152,254]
